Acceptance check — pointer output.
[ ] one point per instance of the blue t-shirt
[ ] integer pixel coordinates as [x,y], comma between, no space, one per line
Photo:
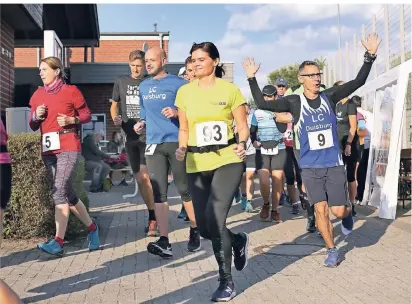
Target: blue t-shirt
[155,95]
[267,129]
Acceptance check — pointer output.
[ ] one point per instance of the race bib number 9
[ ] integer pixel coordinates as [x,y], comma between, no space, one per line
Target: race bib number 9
[272,151]
[150,149]
[211,133]
[319,140]
[51,141]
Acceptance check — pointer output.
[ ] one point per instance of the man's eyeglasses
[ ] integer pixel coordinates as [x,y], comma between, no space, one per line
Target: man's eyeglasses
[281,86]
[268,95]
[313,76]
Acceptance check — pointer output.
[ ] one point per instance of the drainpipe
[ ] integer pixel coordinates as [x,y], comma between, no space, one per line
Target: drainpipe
[92,54]
[161,40]
[38,56]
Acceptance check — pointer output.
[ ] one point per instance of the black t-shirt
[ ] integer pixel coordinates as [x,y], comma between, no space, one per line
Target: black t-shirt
[343,110]
[126,93]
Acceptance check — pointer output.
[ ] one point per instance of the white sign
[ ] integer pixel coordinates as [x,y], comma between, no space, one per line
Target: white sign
[211,133]
[319,140]
[150,149]
[51,141]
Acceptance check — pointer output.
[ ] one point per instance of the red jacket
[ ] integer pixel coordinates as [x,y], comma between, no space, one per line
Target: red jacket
[69,101]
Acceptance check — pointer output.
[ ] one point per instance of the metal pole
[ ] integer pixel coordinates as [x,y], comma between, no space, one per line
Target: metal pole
[340,43]
[402,33]
[386,21]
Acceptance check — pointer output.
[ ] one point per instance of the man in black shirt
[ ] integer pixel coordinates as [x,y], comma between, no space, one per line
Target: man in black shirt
[314,116]
[126,92]
[346,116]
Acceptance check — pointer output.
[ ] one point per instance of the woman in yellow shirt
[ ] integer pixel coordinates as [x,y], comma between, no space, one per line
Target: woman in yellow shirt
[214,161]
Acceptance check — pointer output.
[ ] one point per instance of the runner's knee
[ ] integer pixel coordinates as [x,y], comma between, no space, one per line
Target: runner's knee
[322,209]
[340,212]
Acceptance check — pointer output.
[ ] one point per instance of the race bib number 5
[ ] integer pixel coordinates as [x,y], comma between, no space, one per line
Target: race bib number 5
[211,133]
[320,139]
[51,141]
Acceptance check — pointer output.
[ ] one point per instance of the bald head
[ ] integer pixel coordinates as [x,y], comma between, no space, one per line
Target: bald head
[155,59]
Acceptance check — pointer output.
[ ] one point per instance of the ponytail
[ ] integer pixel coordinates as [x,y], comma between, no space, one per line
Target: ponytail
[219,71]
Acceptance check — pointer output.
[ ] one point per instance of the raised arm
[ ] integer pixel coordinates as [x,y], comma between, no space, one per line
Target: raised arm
[337,93]
[281,105]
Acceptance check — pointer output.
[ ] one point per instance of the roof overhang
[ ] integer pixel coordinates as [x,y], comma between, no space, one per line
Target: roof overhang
[76,25]
[23,18]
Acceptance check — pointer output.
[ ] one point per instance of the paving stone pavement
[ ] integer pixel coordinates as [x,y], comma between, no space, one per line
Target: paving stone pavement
[285,263]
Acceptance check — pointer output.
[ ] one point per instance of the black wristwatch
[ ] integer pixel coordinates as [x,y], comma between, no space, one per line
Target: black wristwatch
[76,120]
[244,144]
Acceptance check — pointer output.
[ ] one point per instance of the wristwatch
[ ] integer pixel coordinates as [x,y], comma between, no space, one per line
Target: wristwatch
[244,144]
[348,143]
[76,120]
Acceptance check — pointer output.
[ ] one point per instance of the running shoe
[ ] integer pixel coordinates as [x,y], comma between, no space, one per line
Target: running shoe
[275,217]
[243,202]
[194,240]
[264,213]
[311,226]
[249,207]
[283,199]
[225,292]
[333,258]
[295,208]
[51,247]
[161,248]
[93,239]
[182,213]
[240,251]
[347,224]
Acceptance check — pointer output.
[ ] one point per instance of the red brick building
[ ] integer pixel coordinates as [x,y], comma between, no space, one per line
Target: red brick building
[93,60]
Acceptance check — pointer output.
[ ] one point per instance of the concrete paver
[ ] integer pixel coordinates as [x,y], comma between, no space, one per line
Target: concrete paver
[376,266]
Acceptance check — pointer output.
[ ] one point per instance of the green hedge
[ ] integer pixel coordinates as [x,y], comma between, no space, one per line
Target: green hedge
[30,212]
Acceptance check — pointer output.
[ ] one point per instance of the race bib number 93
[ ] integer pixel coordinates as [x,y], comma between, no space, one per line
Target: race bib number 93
[211,133]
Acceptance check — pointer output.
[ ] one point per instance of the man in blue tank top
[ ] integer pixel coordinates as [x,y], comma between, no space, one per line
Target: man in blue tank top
[323,172]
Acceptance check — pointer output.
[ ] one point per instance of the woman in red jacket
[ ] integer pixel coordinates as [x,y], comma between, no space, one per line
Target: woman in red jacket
[58,109]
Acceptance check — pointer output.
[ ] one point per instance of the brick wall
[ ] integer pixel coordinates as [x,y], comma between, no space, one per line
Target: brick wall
[26,57]
[108,51]
[113,50]
[97,97]
[6,67]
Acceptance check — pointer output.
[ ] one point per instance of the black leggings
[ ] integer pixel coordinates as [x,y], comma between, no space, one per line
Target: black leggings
[158,165]
[292,168]
[362,171]
[5,185]
[212,193]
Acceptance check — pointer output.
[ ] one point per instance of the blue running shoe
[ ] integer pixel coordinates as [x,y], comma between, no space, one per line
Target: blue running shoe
[333,258]
[51,247]
[182,213]
[347,224]
[225,292]
[243,202]
[283,199]
[93,238]
[249,207]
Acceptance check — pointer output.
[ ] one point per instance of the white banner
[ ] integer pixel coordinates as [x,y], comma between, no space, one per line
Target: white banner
[387,95]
